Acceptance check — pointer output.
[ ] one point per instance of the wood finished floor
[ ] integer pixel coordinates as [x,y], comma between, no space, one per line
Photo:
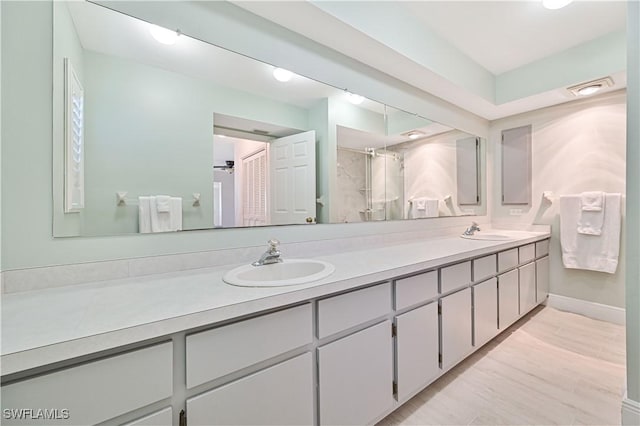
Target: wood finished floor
[550,368]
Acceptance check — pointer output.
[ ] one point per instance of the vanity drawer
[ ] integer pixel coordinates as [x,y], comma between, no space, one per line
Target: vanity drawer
[223,350]
[416,289]
[455,276]
[527,253]
[484,267]
[99,390]
[348,310]
[542,248]
[507,259]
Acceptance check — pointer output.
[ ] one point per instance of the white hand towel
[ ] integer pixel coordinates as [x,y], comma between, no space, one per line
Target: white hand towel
[162,203]
[592,201]
[144,215]
[592,211]
[580,251]
[432,208]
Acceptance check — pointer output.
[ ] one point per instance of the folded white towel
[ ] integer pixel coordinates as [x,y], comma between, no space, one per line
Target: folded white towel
[420,203]
[162,203]
[592,201]
[144,215]
[583,251]
[592,210]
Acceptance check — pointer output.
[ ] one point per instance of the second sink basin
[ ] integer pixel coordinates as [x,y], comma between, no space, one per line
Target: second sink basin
[288,272]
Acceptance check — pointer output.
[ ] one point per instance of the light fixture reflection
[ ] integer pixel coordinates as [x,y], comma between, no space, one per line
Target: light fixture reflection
[163,35]
[589,90]
[555,4]
[282,75]
[355,99]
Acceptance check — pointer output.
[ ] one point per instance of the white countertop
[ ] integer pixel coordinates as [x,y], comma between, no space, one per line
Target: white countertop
[46,326]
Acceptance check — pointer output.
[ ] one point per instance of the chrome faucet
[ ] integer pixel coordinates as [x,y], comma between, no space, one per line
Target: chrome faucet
[270,256]
[472,229]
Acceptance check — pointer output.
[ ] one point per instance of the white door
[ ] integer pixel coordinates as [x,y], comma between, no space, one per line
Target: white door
[356,377]
[485,311]
[528,299]
[254,189]
[417,349]
[455,329]
[292,171]
[508,299]
[278,395]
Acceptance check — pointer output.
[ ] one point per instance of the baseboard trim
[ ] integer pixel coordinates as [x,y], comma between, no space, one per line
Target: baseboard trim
[630,412]
[589,309]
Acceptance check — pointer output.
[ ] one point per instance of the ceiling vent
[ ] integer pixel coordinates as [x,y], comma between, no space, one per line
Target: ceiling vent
[591,87]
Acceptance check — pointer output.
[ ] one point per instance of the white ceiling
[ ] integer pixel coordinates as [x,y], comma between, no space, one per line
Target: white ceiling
[496,36]
[504,35]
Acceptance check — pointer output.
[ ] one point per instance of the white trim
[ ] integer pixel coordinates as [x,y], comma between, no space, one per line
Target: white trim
[630,412]
[590,309]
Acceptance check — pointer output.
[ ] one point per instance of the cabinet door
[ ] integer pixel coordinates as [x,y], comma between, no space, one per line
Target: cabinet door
[485,311]
[456,327]
[95,391]
[527,287]
[417,349]
[159,418]
[542,279]
[356,377]
[508,300]
[279,395]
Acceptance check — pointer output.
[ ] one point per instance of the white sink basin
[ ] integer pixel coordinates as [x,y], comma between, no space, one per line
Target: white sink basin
[289,272]
[488,236]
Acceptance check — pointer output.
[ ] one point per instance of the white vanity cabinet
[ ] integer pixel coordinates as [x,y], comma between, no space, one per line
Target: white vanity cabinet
[345,358]
[455,330]
[417,349]
[485,311]
[355,377]
[278,395]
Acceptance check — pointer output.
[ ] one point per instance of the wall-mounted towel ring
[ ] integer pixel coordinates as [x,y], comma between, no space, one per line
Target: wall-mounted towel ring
[196,199]
[547,197]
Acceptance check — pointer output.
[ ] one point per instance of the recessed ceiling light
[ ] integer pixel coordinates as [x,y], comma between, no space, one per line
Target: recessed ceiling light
[163,35]
[590,87]
[355,99]
[282,75]
[415,134]
[555,4]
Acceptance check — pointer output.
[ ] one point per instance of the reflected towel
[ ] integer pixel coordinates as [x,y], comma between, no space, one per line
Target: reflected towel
[584,251]
[162,203]
[166,221]
[144,215]
[430,208]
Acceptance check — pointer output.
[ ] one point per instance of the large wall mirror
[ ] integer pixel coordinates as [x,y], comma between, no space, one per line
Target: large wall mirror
[156,134]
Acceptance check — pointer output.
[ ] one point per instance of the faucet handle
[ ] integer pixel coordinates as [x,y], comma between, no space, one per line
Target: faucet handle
[273,243]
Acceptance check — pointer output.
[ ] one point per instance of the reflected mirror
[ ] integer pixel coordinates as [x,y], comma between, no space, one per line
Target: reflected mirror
[436,170]
[416,168]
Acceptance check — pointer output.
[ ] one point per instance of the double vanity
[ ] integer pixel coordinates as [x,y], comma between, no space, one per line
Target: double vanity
[188,348]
